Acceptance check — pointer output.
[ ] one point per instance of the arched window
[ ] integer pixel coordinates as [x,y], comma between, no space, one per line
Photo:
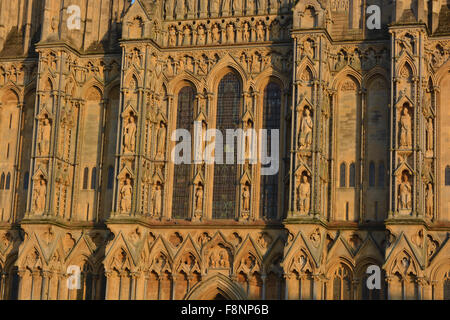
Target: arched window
[271,121]
[85,178]
[352,178]
[447,176]
[381,175]
[110,177]
[94,178]
[182,172]
[342,175]
[2,182]
[26,177]
[342,284]
[225,175]
[371,174]
[8,181]
[447,286]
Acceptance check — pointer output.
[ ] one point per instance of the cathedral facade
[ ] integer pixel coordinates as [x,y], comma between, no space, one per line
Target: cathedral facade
[92,92]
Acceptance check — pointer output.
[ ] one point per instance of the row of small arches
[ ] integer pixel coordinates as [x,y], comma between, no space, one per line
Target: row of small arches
[375,180]
[90,178]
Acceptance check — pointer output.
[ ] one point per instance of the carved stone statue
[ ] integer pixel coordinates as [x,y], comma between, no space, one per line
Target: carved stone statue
[225,7]
[430,134]
[305,136]
[405,129]
[429,201]
[250,7]
[260,32]
[172,36]
[304,192]
[40,195]
[246,198]
[237,6]
[129,135]
[215,34]
[199,198]
[168,7]
[161,141]
[404,193]
[157,201]
[125,196]
[44,134]
[214,7]
[201,38]
[230,33]
[180,9]
[246,33]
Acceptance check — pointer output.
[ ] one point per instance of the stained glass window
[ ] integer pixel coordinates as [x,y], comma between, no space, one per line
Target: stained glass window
[342,284]
[225,175]
[271,121]
[182,172]
[94,178]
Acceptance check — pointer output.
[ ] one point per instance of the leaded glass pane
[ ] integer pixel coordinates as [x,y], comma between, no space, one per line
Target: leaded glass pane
[182,172]
[225,175]
[271,121]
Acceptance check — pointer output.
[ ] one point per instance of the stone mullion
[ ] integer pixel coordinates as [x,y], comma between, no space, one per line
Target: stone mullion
[15,182]
[76,168]
[315,188]
[56,111]
[362,156]
[333,165]
[98,182]
[140,140]
[393,129]
[415,200]
[293,130]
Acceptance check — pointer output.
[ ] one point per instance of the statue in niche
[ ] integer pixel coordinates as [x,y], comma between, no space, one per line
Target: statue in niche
[246,33]
[214,7]
[429,201]
[230,33]
[201,38]
[355,60]
[44,134]
[308,50]
[172,36]
[125,195]
[404,193]
[199,198]
[225,6]
[405,128]
[261,5]
[40,194]
[303,194]
[180,9]
[215,34]
[305,137]
[190,6]
[430,136]
[129,135]
[186,36]
[340,61]
[248,136]
[260,32]
[250,7]
[157,201]
[161,141]
[246,198]
[237,6]
[168,7]
[275,31]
